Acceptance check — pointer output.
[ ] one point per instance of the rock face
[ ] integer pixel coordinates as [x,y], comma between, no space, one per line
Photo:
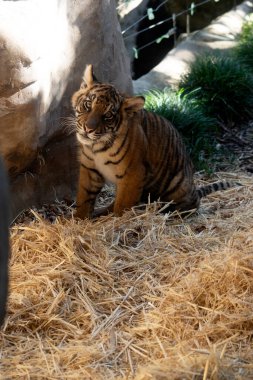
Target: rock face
[4,239]
[44,48]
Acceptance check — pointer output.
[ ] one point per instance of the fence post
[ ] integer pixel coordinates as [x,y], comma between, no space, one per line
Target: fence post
[188,24]
[174,28]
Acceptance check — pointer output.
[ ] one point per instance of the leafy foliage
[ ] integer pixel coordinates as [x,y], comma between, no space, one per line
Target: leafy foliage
[247,30]
[222,85]
[188,116]
[244,50]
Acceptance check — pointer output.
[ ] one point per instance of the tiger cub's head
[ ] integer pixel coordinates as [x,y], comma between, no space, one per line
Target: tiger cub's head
[100,109]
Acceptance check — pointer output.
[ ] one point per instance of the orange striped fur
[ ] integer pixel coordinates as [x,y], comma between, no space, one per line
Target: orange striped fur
[139,151]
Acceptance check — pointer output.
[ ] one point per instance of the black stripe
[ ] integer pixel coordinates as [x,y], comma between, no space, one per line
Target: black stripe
[92,170]
[152,122]
[174,188]
[161,168]
[201,192]
[121,146]
[164,173]
[91,192]
[144,121]
[106,146]
[120,176]
[99,87]
[159,124]
[79,98]
[118,121]
[89,158]
[97,181]
[161,152]
[120,159]
[171,174]
[175,151]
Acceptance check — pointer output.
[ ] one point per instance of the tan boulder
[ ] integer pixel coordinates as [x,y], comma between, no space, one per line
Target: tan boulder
[44,48]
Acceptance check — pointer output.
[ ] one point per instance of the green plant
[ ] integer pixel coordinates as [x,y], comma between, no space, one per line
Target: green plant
[244,50]
[244,53]
[247,30]
[188,116]
[222,85]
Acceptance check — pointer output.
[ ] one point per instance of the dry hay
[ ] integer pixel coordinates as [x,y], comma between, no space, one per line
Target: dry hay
[145,296]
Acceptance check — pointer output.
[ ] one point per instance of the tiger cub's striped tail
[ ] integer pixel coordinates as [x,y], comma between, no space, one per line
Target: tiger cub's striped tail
[205,190]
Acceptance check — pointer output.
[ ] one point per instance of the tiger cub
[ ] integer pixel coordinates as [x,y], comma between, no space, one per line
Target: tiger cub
[139,151]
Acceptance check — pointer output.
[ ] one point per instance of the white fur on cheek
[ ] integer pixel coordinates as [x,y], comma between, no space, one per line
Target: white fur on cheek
[83,140]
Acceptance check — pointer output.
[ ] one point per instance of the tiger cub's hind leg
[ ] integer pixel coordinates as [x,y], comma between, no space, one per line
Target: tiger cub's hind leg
[188,203]
[185,197]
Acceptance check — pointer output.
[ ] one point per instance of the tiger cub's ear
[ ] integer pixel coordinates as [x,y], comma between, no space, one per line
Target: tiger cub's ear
[88,77]
[133,104]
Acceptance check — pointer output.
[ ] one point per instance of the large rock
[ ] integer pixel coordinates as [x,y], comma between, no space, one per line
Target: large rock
[4,239]
[44,48]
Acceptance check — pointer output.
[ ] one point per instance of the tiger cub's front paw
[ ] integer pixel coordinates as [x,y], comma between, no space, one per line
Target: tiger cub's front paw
[81,214]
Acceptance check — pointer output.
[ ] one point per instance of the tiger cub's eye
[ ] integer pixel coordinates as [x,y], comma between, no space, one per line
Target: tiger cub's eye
[87,105]
[108,116]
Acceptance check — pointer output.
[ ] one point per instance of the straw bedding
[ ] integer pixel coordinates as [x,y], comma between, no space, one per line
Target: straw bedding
[145,296]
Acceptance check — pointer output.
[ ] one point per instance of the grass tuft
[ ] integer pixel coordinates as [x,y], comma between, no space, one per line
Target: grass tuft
[187,115]
[244,50]
[247,30]
[244,53]
[222,85]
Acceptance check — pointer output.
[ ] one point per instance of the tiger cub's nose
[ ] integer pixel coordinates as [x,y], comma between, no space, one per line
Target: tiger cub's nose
[92,123]
[89,130]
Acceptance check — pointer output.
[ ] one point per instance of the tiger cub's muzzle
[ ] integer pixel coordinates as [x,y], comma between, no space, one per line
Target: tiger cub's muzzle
[93,123]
